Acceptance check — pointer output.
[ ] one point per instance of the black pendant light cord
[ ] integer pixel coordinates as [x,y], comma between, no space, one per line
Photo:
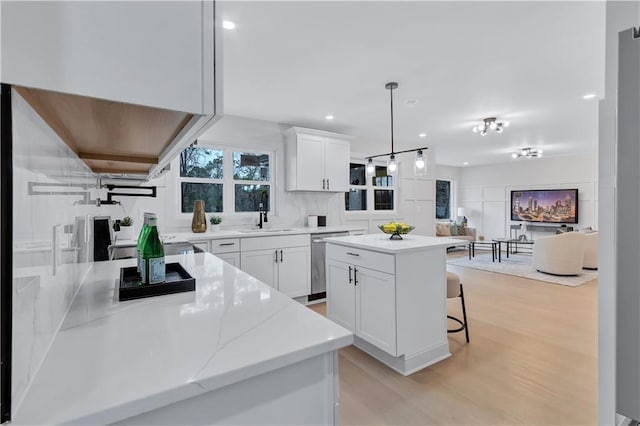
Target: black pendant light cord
[391,91]
[390,86]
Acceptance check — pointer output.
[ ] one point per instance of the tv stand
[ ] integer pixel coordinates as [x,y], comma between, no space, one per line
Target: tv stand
[535,227]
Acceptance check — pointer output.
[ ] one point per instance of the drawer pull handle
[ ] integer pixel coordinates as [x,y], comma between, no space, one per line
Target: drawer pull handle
[352,254]
[226,244]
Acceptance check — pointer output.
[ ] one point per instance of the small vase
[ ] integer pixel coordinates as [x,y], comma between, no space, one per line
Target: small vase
[125,233]
[214,228]
[199,221]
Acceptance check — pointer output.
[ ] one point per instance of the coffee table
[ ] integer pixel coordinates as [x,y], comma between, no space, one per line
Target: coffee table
[511,245]
[472,248]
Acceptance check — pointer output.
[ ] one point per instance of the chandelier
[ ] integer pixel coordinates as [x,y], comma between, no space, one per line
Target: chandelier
[490,123]
[420,163]
[528,152]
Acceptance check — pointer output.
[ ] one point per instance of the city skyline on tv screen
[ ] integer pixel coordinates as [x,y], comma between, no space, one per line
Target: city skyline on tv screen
[553,206]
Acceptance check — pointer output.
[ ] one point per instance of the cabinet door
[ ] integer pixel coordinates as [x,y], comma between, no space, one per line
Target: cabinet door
[294,271]
[231,258]
[148,53]
[261,264]
[341,294]
[337,165]
[310,170]
[202,245]
[376,308]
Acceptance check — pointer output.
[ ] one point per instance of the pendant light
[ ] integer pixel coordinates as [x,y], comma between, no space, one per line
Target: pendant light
[420,163]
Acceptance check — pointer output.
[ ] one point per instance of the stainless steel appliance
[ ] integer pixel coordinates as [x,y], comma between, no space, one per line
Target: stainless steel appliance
[318,258]
[129,251]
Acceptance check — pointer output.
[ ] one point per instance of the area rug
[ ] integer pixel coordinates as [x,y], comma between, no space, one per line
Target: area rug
[519,265]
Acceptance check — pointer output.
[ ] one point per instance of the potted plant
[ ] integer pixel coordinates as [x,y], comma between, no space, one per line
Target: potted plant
[215,221]
[126,229]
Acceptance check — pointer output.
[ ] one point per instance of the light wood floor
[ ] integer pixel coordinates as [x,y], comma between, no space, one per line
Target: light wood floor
[532,360]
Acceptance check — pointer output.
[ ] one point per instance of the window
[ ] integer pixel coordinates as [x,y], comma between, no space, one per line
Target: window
[246,185]
[443,199]
[201,172]
[252,169]
[376,194]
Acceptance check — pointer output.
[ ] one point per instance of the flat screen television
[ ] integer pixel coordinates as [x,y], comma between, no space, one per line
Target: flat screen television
[545,205]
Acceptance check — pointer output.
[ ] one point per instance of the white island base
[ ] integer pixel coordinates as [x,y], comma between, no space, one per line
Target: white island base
[392,295]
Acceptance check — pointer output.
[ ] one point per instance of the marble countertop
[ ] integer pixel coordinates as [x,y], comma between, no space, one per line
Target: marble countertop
[279,230]
[382,243]
[112,360]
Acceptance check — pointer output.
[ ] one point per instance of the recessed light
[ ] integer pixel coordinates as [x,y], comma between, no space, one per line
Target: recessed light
[589,96]
[422,135]
[412,101]
[328,117]
[466,163]
[228,25]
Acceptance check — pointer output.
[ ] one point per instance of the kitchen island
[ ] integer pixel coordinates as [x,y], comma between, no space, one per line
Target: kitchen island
[234,351]
[392,295]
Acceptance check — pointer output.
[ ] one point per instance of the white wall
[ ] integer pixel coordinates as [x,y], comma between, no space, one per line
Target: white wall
[414,198]
[485,191]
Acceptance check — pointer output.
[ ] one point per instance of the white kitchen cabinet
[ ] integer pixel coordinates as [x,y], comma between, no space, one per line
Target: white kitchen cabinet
[202,245]
[317,161]
[362,300]
[282,262]
[126,85]
[392,296]
[158,54]
[261,264]
[227,249]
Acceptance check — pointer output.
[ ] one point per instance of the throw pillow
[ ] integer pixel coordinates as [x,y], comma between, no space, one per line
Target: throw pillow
[462,230]
[454,230]
[443,229]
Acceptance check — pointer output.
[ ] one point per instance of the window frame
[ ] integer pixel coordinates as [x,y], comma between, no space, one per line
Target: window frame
[228,181]
[370,188]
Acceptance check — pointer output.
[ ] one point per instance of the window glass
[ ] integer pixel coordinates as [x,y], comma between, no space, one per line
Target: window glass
[201,163]
[443,199]
[380,178]
[357,173]
[249,197]
[211,193]
[250,166]
[355,199]
[383,199]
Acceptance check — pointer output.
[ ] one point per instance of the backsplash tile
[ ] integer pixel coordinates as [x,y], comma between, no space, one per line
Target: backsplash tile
[46,271]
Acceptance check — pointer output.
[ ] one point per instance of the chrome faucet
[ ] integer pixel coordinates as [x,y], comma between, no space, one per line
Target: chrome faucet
[262,209]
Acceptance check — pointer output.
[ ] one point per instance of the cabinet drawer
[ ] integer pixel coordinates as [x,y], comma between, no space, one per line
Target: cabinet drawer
[227,245]
[369,259]
[274,242]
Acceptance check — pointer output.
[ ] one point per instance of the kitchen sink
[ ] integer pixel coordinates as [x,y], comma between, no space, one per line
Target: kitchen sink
[251,231]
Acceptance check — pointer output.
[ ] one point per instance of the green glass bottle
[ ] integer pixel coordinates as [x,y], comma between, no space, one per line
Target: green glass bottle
[143,234]
[153,265]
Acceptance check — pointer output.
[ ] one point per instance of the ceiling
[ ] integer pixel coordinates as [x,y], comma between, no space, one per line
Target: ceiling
[526,62]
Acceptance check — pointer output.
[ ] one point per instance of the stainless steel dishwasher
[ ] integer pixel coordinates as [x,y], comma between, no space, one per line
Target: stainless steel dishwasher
[318,257]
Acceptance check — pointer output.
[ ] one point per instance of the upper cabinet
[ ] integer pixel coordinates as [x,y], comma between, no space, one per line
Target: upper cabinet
[317,160]
[125,84]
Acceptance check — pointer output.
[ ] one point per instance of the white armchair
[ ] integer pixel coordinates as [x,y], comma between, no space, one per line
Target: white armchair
[561,254]
[590,251]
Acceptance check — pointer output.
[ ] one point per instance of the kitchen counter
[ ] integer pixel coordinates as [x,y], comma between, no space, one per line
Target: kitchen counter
[392,294]
[247,233]
[113,360]
[382,243]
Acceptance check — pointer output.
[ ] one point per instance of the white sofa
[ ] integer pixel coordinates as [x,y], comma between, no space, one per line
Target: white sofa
[561,254]
[590,260]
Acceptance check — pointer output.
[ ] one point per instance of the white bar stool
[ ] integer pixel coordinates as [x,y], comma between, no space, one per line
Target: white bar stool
[454,289]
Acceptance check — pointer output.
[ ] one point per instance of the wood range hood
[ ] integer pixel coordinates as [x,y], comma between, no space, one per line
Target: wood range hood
[116,138]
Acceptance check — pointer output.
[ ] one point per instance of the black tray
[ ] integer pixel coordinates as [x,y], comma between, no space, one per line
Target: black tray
[177,280]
